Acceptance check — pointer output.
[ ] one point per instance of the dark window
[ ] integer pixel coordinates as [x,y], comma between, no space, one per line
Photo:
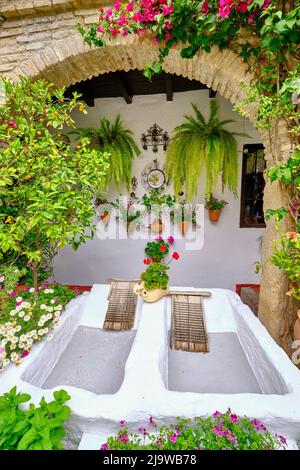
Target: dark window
[253,184]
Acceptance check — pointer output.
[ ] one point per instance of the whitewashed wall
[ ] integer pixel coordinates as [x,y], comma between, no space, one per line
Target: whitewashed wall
[229,252]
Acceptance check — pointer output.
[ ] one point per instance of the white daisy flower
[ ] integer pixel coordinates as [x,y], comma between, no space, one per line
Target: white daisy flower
[40,332]
[46,291]
[27,318]
[13,346]
[14,357]
[18,308]
[19,299]
[21,314]
[50,309]
[40,323]
[52,301]
[12,313]
[31,290]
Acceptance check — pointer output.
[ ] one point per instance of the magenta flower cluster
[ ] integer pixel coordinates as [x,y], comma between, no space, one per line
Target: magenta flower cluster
[141,16]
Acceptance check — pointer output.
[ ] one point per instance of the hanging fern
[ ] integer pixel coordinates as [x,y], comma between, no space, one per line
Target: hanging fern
[197,142]
[118,142]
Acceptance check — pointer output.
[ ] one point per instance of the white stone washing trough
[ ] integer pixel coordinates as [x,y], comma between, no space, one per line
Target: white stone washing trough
[132,375]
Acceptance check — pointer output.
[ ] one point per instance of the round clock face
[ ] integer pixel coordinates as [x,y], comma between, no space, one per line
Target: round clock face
[156,178]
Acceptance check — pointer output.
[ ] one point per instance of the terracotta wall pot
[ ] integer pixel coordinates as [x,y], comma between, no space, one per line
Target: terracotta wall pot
[183,226]
[151,295]
[131,227]
[157,226]
[105,217]
[214,215]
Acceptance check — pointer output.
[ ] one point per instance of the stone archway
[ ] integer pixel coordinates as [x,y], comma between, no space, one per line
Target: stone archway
[50,47]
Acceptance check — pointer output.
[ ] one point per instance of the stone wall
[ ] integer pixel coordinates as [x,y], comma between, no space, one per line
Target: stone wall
[38,38]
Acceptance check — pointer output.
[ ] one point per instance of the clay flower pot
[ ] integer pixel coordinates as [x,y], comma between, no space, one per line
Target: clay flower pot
[183,226]
[105,217]
[130,226]
[157,226]
[214,215]
[151,295]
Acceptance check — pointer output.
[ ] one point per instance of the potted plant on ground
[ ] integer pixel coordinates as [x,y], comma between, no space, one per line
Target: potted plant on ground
[214,207]
[154,281]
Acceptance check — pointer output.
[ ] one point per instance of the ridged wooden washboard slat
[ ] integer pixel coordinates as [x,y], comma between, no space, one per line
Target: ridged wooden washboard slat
[188,329]
[120,313]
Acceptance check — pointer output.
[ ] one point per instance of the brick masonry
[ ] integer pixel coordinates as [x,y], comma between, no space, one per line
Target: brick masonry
[39,38]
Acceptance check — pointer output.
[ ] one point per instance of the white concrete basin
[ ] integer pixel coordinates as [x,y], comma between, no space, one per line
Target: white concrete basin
[273,397]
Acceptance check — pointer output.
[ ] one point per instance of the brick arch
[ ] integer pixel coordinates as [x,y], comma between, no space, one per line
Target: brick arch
[67,61]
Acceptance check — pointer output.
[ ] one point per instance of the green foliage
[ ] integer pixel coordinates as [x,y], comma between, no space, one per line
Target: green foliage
[28,317]
[9,278]
[157,198]
[117,141]
[214,204]
[38,428]
[157,250]
[46,186]
[221,431]
[155,276]
[197,143]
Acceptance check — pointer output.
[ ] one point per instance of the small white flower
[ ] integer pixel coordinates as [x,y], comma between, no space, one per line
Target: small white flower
[12,313]
[13,346]
[5,363]
[27,318]
[52,301]
[14,357]
[49,316]
[40,323]
[40,332]
[46,291]
[43,306]
[49,337]
[1,278]
[50,309]
[18,308]
[21,314]
[51,291]
[57,314]
[19,299]
[46,330]
[31,290]
[18,328]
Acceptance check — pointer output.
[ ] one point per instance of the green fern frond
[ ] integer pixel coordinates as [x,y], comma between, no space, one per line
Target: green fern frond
[197,142]
[118,142]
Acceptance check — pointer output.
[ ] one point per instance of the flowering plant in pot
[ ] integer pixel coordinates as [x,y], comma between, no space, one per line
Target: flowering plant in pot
[155,202]
[154,281]
[214,207]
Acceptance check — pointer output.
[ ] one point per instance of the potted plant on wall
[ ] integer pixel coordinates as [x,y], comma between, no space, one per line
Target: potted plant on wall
[155,202]
[117,141]
[197,143]
[214,207]
[154,281]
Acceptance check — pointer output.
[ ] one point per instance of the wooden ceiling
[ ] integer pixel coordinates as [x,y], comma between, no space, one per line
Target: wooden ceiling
[132,83]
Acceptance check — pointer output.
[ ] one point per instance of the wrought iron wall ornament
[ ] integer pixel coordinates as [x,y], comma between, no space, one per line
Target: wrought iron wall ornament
[155,137]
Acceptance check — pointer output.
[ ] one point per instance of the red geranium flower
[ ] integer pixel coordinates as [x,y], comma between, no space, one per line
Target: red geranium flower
[147,261]
[162,248]
[175,255]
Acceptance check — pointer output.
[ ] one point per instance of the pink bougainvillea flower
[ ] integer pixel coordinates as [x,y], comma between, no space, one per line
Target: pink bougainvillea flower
[282,439]
[242,7]
[158,239]
[100,29]
[205,8]
[266,4]
[171,240]
[233,418]
[143,431]
[108,13]
[251,18]
[225,7]
[175,255]
[177,432]
[173,438]
[217,413]
[258,425]
[122,21]
[122,423]
[129,7]
[117,5]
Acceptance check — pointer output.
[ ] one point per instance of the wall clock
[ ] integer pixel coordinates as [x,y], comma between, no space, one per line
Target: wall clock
[152,176]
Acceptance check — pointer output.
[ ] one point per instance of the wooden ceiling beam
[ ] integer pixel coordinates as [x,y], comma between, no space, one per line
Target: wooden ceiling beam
[169,87]
[122,87]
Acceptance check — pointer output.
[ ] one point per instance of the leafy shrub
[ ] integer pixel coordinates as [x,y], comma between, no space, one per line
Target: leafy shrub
[28,318]
[221,431]
[35,429]
[155,276]
[214,204]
